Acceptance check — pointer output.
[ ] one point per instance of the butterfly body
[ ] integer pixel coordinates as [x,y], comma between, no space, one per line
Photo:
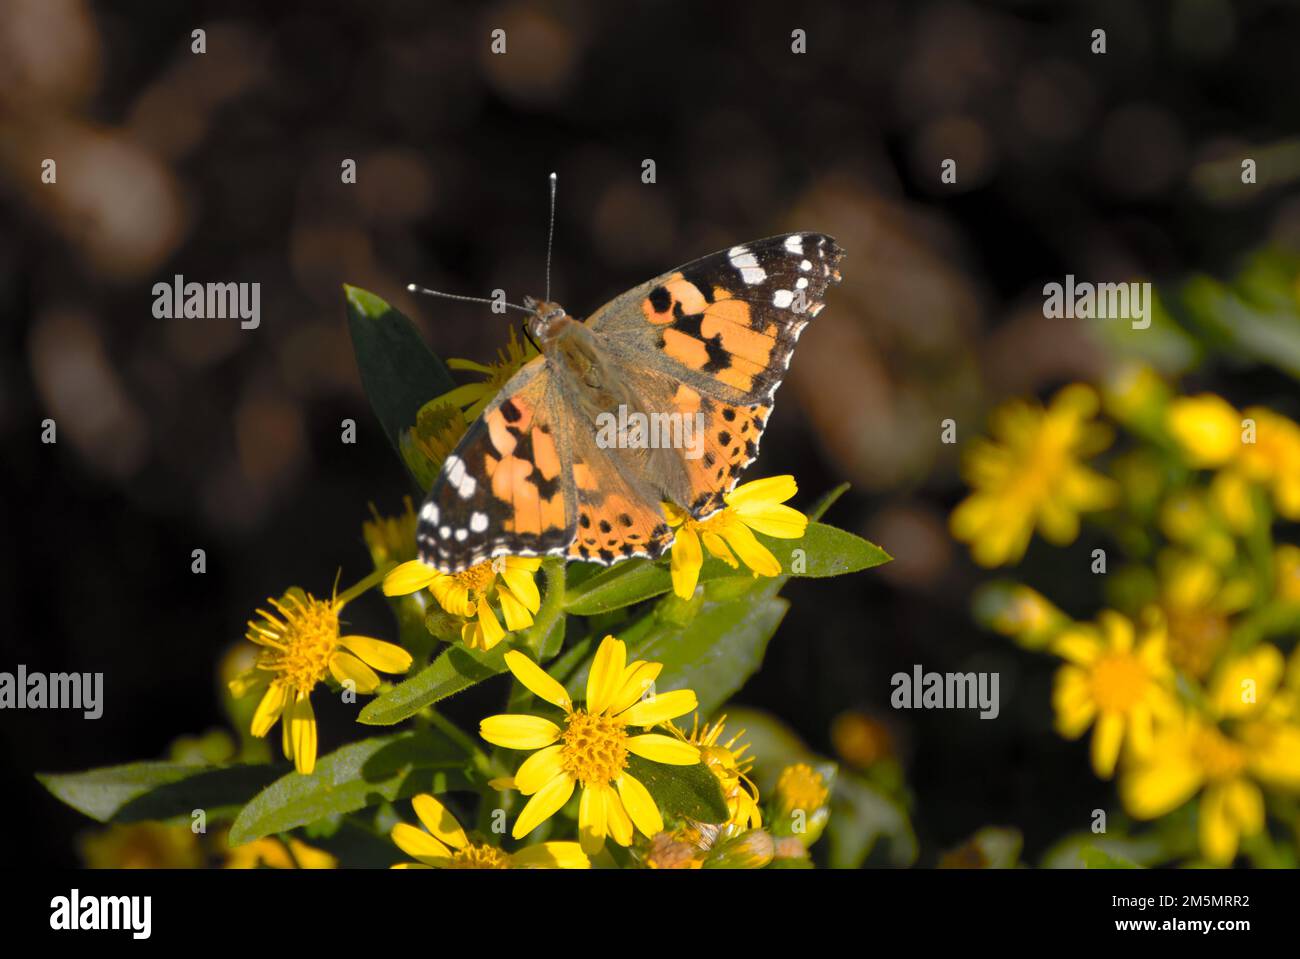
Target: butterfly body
[693,356]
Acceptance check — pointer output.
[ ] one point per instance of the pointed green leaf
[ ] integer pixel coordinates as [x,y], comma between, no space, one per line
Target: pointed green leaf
[681,791]
[158,790]
[398,371]
[457,669]
[358,775]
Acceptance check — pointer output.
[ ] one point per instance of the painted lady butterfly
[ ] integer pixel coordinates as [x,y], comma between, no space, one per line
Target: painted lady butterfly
[713,337]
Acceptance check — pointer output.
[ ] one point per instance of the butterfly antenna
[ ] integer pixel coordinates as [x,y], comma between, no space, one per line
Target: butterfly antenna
[464,299]
[550,238]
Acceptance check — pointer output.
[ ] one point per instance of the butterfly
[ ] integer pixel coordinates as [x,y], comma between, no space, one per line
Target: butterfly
[695,355]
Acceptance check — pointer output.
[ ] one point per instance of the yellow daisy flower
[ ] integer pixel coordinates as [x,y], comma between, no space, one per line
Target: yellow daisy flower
[1030,475]
[728,762]
[510,580]
[301,645]
[591,747]
[1206,428]
[1273,460]
[1114,682]
[445,845]
[474,397]
[390,539]
[142,845]
[1198,601]
[729,533]
[1191,755]
[439,426]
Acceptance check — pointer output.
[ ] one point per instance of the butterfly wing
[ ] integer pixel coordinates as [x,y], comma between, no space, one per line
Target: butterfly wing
[714,338]
[507,487]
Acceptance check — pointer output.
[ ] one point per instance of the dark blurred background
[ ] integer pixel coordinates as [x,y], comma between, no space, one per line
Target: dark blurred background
[183,434]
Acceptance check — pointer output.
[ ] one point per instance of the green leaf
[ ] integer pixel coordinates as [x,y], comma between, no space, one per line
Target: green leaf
[457,669]
[714,653]
[826,551]
[158,790]
[681,791]
[861,815]
[361,774]
[398,371]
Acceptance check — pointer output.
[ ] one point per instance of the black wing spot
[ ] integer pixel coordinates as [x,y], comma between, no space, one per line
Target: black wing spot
[510,411]
[660,299]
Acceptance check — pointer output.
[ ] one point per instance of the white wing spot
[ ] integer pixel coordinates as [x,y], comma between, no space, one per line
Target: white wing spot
[462,535]
[782,298]
[794,243]
[805,265]
[801,283]
[478,522]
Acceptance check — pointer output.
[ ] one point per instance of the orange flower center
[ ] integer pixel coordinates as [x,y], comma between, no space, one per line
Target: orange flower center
[594,748]
[476,856]
[1217,755]
[1118,682]
[304,642]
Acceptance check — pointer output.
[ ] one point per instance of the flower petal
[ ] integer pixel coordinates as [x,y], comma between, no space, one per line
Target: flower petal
[385,657]
[439,821]
[545,803]
[640,805]
[771,489]
[537,681]
[592,819]
[270,708]
[606,675]
[519,731]
[516,613]
[685,563]
[418,844]
[491,631]
[345,667]
[637,682]
[1107,736]
[617,823]
[550,855]
[663,749]
[409,577]
[663,707]
[539,769]
[302,732]
[524,587]
[750,551]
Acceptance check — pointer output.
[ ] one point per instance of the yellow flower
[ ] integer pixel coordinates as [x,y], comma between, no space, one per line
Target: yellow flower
[507,579]
[1274,459]
[439,426]
[1030,475]
[1244,683]
[730,766]
[271,853]
[1190,755]
[1198,600]
[729,533]
[591,747]
[1206,427]
[800,787]
[1114,682]
[142,845]
[301,645]
[390,539]
[474,397]
[445,845]
[1022,613]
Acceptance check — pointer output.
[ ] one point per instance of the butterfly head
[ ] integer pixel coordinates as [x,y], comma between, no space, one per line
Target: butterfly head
[547,319]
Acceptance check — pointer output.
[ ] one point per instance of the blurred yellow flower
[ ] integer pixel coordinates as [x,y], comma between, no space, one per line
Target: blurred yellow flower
[591,748]
[1191,755]
[445,845]
[270,853]
[1242,684]
[301,645]
[510,580]
[729,533]
[142,845]
[1030,475]
[390,539]
[800,788]
[1207,429]
[1115,682]
[729,764]
[1198,600]
[439,426]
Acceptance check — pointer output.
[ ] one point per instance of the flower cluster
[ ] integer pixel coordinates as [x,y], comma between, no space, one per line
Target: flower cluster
[1185,683]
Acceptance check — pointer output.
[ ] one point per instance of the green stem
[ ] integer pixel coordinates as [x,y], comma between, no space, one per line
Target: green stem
[552,607]
[369,582]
